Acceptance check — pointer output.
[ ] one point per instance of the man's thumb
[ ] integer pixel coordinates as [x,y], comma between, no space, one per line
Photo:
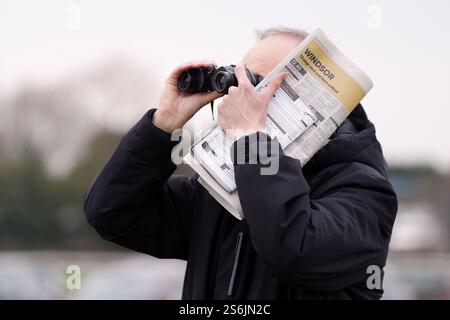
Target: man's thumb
[275,84]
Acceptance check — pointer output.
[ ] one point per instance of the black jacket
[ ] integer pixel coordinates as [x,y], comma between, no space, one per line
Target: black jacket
[308,233]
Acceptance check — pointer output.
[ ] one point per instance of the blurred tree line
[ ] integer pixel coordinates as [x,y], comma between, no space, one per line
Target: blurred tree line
[54,139]
[38,211]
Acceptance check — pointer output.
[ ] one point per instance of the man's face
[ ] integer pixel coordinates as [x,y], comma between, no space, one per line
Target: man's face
[269,52]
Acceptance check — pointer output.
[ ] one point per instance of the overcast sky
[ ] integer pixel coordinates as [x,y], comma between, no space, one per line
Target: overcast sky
[402,45]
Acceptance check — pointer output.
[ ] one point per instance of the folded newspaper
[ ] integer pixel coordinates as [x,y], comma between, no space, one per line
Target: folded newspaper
[320,91]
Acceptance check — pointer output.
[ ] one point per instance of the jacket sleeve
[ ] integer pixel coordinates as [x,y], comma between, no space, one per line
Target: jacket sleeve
[134,203]
[320,243]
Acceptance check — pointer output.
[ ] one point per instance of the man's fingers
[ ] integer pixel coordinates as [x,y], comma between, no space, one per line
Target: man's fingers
[241,74]
[190,65]
[274,85]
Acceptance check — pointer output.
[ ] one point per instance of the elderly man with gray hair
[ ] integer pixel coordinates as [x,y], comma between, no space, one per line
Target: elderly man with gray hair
[317,232]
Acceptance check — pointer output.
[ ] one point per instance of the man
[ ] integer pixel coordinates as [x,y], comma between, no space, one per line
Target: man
[317,232]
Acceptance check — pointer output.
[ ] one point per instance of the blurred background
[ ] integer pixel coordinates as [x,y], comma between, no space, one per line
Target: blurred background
[76,75]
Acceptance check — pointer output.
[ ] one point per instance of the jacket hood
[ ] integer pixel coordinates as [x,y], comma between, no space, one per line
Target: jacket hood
[354,141]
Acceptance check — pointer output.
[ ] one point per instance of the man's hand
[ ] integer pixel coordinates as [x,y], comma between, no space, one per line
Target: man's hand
[244,109]
[177,107]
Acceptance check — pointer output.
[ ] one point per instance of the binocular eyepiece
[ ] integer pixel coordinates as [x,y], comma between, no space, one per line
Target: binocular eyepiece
[212,79]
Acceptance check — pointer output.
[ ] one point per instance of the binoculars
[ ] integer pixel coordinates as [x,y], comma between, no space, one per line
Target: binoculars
[211,78]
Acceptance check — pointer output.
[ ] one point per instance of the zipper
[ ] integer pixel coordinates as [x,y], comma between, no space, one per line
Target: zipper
[237,252]
[212,277]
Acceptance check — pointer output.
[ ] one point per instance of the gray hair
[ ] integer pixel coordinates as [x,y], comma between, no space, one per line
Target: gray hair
[284,31]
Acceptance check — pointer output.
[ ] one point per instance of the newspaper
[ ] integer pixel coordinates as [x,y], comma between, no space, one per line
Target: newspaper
[320,91]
